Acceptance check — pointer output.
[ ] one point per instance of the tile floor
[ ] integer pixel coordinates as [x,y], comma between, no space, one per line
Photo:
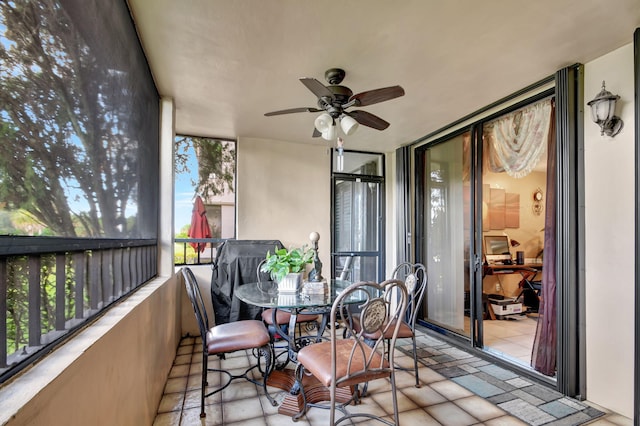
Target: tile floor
[457,389]
[512,337]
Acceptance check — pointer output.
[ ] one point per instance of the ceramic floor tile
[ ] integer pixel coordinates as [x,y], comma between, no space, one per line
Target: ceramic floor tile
[258,421]
[213,417]
[385,400]
[179,370]
[240,389]
[184,350]
[450,390]
[450,414]
[418,417]
[168,419]
[171,402]
[178,384]
[242,409]
[479,408]
[183,359]
[439,400]
[424,396]
[505,421]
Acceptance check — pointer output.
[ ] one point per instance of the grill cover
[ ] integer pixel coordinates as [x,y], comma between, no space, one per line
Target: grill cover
[236,263]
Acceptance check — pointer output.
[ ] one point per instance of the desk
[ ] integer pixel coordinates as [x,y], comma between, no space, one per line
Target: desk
[265,295]
[528,271]
[497,269]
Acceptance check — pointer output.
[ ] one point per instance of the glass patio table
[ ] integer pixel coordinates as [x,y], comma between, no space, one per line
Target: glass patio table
[266,295]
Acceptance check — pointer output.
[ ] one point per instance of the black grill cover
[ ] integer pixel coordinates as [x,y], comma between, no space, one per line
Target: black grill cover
[236,263]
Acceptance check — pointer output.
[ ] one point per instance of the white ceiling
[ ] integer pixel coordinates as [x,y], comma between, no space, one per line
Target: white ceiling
[227,62]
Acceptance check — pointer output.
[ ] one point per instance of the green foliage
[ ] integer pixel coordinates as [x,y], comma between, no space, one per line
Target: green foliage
[18,298]
[216,162]
[284,261]
[67,130]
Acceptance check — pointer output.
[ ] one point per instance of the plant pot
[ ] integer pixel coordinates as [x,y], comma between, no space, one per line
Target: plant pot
[291,283]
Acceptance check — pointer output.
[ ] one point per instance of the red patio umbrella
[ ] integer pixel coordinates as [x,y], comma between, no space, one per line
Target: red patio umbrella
[199,224]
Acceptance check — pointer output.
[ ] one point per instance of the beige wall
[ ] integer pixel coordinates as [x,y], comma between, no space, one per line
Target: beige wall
[609,238]
[113,372]
[283,193]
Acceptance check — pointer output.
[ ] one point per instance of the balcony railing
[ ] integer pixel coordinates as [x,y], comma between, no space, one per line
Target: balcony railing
[186,254]
[49,287]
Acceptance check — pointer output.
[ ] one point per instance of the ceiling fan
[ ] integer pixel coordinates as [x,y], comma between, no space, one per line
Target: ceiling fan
[334,100]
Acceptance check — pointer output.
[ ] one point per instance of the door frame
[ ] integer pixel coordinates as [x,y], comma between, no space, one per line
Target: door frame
[568,82]
[379,180]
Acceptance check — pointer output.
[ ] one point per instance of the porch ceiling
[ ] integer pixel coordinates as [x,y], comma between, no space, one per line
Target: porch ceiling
[226,63]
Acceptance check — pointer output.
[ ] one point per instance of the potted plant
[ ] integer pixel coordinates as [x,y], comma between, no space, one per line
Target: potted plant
[288,261]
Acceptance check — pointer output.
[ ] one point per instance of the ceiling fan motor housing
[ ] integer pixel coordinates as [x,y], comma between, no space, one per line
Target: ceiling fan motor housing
[334,75]
[341,95]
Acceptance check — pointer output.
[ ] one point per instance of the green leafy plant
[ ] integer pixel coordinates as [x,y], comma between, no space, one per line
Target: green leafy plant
[284,261]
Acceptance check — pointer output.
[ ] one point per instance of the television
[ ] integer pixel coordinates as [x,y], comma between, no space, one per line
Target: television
[496,249]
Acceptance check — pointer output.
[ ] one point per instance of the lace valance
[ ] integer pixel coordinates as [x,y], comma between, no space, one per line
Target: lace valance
[515,142]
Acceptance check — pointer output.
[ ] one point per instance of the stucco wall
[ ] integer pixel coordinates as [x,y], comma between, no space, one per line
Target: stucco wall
[283,192]
[113,372]
[609,239]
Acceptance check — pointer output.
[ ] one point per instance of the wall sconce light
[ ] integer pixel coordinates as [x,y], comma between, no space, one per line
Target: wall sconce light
[603,107]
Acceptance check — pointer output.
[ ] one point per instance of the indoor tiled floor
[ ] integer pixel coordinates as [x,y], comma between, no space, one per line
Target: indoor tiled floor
[457,389]
[512,337]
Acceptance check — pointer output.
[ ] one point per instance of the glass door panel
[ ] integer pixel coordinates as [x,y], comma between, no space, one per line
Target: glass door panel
[446,227]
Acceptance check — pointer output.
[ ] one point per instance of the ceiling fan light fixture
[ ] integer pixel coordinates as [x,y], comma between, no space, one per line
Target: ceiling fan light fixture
[323,122]
[348,124]
[330,133]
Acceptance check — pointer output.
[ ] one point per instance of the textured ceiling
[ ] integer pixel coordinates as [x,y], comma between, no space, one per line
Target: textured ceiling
[226,63]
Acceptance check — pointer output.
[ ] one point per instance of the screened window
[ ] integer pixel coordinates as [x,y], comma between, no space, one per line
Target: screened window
[78,168]
[204,182]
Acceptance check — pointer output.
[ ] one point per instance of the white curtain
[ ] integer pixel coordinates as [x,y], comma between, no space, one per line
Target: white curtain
[517,141]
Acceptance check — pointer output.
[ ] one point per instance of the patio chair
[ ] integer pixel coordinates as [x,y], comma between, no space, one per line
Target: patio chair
[415,278]
[226,338]
[361,356]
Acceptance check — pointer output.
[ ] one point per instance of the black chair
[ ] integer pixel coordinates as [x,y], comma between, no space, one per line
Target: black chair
[530,289]
[362,356]
[227,338]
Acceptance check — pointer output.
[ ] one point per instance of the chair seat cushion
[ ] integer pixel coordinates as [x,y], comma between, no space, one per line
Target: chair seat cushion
[235,336]
[405,330]
[316,359]
[283,317]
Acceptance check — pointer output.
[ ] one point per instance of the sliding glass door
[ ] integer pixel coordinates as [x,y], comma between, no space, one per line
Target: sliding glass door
[445,226]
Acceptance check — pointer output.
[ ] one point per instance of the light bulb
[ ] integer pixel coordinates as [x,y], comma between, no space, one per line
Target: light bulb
[323,122]
[330,133]
[348,124]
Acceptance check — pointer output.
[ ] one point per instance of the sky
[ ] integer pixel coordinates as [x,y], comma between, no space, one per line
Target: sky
[185,193]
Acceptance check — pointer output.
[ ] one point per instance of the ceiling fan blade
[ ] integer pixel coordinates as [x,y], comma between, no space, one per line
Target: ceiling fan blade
[292,110]
[378,95]
[367,119]
[316,133]
[318,89]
